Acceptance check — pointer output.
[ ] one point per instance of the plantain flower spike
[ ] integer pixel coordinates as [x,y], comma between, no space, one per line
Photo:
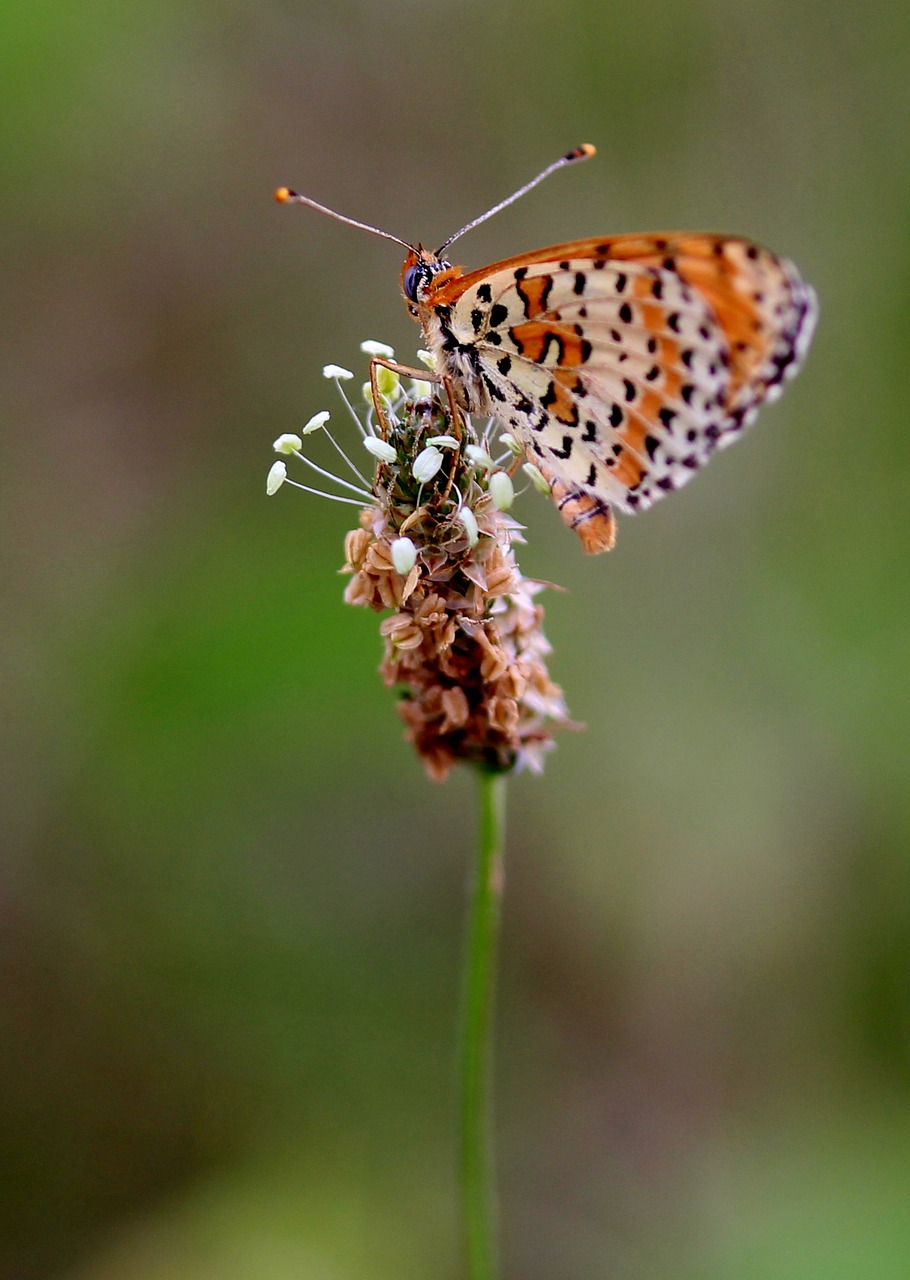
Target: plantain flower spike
[434,552]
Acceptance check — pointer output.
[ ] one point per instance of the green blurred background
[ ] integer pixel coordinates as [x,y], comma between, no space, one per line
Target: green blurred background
[231,904]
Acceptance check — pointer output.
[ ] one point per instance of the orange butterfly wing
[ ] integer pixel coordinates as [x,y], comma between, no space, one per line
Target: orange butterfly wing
[621,363]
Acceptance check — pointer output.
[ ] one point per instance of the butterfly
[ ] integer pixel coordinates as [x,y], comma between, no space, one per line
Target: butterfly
[620,363]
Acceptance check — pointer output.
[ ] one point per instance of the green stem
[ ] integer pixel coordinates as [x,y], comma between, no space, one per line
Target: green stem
[476,1074]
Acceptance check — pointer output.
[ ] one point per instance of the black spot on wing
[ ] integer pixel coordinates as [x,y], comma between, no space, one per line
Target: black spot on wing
[493,390]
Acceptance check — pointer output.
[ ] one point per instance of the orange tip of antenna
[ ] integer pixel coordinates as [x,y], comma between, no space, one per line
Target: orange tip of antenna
[584,152]
[283,195]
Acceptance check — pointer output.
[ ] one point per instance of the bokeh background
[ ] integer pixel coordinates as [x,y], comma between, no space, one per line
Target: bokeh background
[231,903]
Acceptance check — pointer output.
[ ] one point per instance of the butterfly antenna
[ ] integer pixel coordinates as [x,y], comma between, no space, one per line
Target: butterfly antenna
[584,152]
[285,196]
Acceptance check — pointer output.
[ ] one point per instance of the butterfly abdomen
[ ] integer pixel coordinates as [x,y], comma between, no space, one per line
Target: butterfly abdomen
[590,518]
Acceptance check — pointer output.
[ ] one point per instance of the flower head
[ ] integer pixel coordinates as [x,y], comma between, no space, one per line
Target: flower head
[434,551]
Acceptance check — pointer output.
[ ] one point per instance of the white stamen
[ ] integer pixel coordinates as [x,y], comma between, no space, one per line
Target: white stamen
[427,358]
[345,484]
[351,409]
[371,348]
[510,443]
[320,493]
[380,449]
[387,382]
[469,520]
[278,473]
[287,444]
[537,478]
[356,471]
[502,492]
[336,371]
[318,420]
[420,390]
[478,457]
[404,555]
[443,442]
[426,464]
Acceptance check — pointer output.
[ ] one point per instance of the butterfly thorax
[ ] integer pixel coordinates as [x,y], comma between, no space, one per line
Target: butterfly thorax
[423,276]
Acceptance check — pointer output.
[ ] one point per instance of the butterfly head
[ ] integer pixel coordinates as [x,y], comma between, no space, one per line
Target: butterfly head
[419,271]
[420,266]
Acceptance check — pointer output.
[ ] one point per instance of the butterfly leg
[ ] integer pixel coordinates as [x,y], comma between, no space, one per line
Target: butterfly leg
[377,362]
[455,419]
[422,375]
[591,519]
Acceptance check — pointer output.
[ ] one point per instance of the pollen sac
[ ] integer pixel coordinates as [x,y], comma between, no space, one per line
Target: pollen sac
[278,473]
[404,555]
[381,349]
[502,491]
[471,528]
[426,464]
[315,423]
[380,449]
[387,382]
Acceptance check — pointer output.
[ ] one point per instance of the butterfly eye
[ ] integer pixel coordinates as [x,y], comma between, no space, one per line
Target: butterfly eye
[413,277]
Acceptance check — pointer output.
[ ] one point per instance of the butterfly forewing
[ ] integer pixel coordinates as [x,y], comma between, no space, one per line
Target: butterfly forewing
[622,364]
